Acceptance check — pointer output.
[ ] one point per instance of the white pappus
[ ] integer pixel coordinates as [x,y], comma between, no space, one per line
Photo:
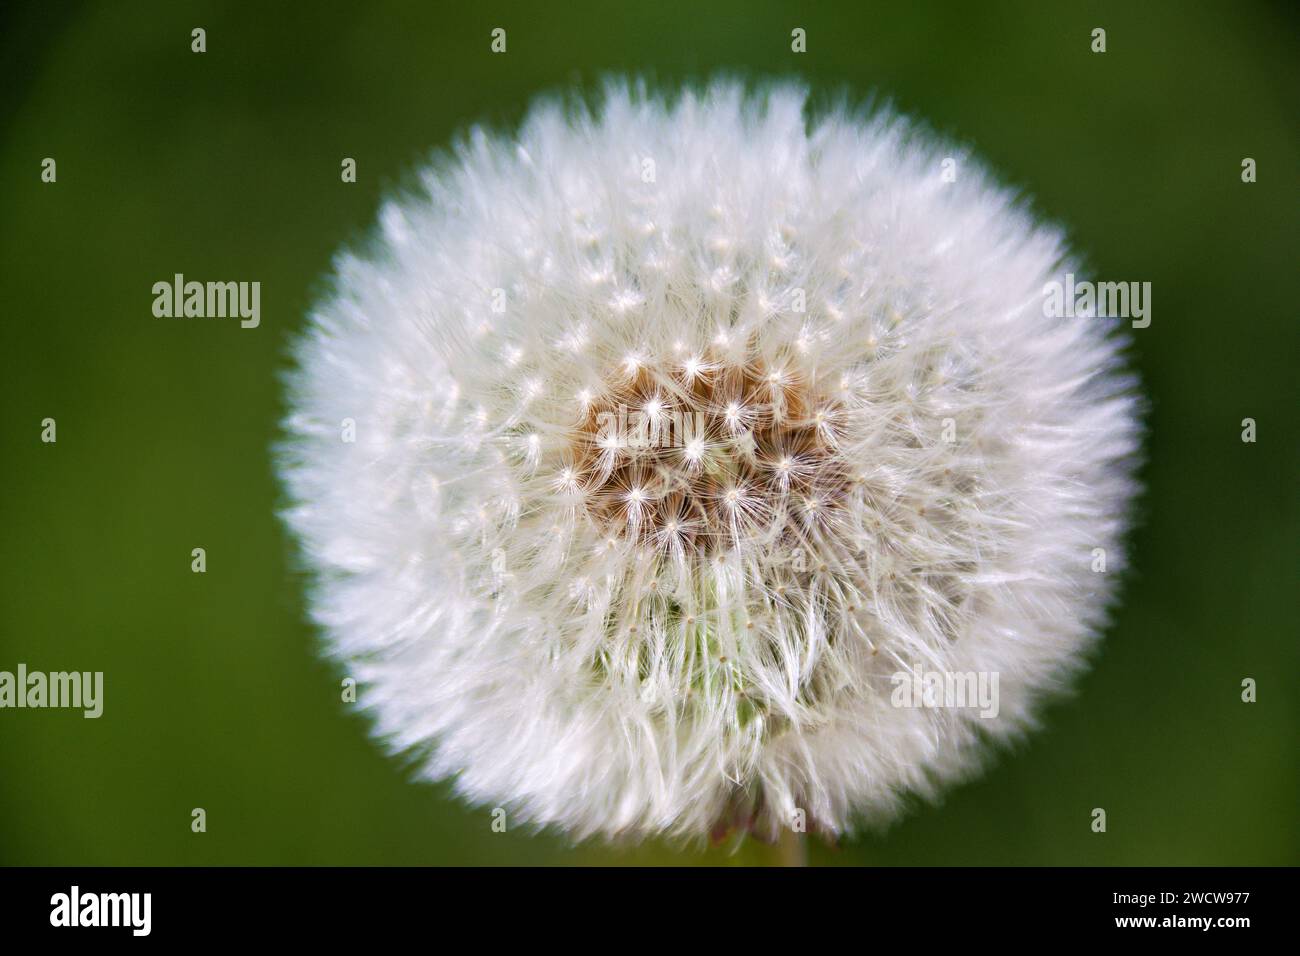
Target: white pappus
[645,447]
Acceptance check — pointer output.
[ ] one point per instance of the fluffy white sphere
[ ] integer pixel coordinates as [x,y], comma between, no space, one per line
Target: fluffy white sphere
[645,449]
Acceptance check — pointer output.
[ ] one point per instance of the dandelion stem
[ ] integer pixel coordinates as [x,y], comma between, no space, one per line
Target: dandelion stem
[791,849]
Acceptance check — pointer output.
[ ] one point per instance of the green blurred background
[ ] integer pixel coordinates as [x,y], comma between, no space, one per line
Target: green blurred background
[225,165]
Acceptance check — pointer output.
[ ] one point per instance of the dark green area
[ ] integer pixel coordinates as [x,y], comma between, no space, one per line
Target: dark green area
[226,165]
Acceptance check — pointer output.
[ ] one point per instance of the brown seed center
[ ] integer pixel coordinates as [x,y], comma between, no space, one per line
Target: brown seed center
[699,454]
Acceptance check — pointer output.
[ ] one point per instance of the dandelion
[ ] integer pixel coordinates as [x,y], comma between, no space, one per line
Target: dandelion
[897,463]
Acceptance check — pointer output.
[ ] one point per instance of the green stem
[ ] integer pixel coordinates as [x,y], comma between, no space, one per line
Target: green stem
[791,849]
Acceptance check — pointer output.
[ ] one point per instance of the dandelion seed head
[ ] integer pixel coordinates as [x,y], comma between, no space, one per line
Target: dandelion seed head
[643,551]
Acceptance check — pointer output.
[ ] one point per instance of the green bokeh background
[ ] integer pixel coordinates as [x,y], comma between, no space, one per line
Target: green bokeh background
[226,165]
